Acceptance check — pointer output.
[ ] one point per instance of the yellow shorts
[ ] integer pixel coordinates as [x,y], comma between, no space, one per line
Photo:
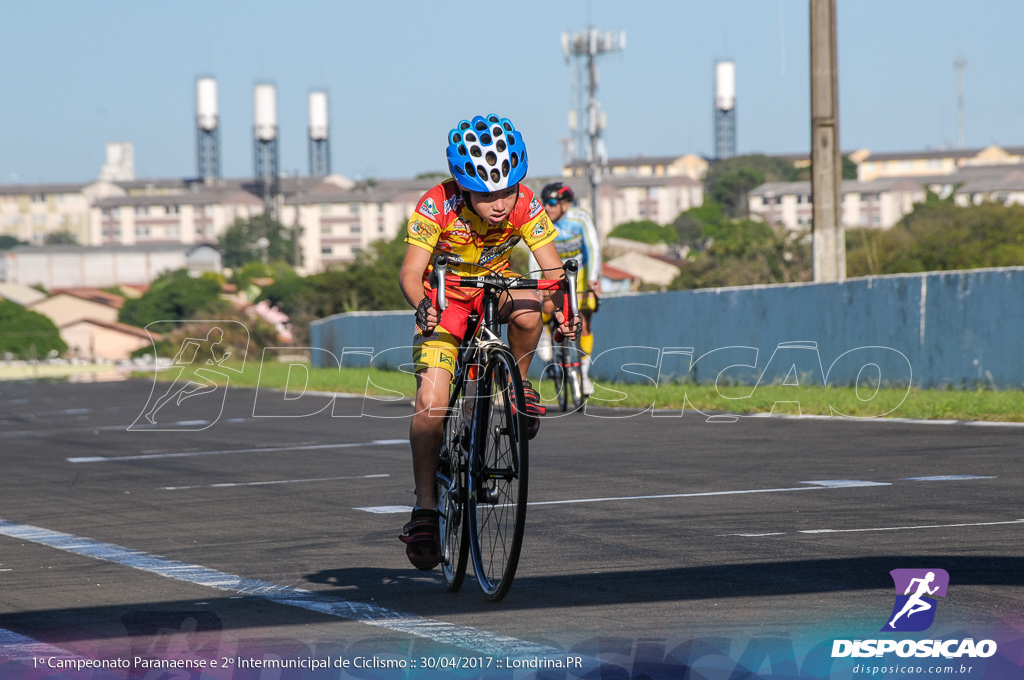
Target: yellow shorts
[440,350]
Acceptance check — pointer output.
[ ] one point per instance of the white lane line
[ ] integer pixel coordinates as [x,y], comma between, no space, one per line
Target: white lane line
[885,419]
[947,478]
[921,526]
[48,432]
[224,485]
[817,486]
[221,452]
[359,612]
[387,509]
[18,647]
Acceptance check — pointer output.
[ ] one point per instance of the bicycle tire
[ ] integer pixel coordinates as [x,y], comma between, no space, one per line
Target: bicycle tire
[574,386]
[451,494]
[498,476]
[561,359]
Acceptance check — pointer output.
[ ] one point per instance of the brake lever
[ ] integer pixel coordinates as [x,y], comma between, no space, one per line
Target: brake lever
[441,270]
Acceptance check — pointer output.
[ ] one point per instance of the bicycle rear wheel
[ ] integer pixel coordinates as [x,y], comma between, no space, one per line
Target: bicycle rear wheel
[498,476]
[452,493]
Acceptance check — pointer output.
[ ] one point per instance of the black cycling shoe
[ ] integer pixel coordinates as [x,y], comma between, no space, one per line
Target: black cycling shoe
[422,538]
[532,410]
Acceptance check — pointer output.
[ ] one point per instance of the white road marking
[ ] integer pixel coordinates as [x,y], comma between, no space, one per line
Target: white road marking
[224,485]
[947,478]
[387,509]
[818,485]
[221,452]
[920,526]
[48,432]
[21,648]
[360,612]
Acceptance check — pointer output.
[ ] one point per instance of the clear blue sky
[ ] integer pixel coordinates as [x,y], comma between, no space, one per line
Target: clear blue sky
[76,75]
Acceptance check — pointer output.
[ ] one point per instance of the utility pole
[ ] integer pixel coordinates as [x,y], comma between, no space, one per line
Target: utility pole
[587,46]
[959,65]
[829,238]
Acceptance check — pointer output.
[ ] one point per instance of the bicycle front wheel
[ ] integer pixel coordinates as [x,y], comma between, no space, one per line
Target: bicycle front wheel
[498,475]
[574,381]
[451,495]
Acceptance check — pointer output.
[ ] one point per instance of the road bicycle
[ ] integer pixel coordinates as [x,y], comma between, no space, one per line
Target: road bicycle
[565,369]
[483,470]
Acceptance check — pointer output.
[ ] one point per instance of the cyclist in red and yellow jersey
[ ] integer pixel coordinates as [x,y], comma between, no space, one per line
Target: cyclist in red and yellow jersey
[476,218]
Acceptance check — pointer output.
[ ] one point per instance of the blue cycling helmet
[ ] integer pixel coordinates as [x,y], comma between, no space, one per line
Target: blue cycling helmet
[486,154]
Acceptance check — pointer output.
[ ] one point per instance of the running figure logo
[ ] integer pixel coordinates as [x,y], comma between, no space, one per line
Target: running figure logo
[914,609]
[197,369]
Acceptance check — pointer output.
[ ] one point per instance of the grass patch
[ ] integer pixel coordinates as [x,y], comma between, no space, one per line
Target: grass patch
[947,404]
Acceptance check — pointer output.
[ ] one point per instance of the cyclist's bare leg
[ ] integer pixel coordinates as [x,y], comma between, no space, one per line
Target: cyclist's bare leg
[524,326]
[427,430]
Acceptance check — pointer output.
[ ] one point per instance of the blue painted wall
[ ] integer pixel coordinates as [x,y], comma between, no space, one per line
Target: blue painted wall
[954,328]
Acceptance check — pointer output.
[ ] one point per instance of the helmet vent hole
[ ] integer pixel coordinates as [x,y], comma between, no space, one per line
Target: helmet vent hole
[470,170]
[481,172]
[464,125]
[456,137]
[504,168]
[515,161]
[492,118]
[462,149]
[495,175]
[506,125]
[511,140]
[485,138]
[475,151]
[470,137]
[496,131]
[491,158]
[480,125]
[500,146]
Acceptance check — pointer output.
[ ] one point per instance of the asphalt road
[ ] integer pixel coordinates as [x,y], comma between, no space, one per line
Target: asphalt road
[247,521]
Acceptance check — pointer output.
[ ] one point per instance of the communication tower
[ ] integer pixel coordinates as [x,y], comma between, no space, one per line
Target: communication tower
[960,64]
[207,131]
[319,138]
[265,144]
[725,109]
[588,121]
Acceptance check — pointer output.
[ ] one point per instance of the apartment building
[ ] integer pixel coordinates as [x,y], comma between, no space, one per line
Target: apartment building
[878,204]
[338,218]
[687,165]
[871,166]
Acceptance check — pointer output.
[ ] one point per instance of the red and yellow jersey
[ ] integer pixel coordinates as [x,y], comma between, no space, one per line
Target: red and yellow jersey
[443,223]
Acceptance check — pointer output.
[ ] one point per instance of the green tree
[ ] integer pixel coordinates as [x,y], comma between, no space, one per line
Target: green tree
[849,168]
[8,242]
[63,237]
[939,236]
[27,334]
[369,283]
[240,242]
[746,252]
[645,231]
[175,296]
[731,190]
